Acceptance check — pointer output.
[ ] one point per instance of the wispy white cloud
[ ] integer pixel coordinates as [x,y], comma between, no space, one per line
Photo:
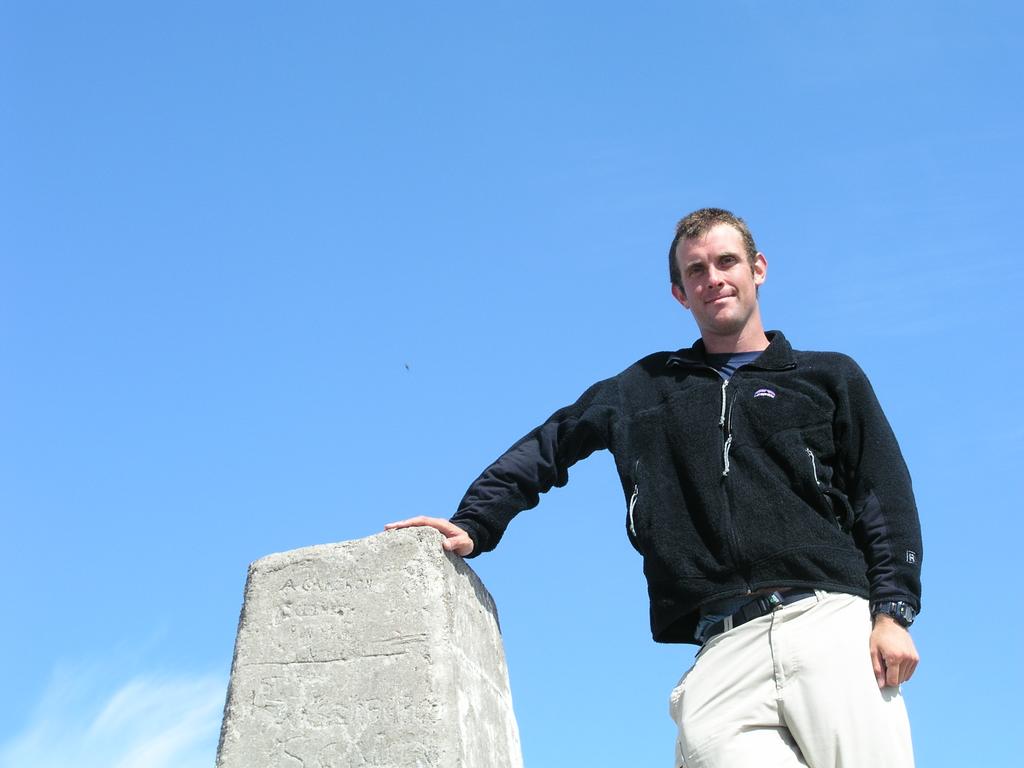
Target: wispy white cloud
[148,721]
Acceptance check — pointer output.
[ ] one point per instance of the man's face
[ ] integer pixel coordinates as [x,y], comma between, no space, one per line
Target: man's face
[720,283]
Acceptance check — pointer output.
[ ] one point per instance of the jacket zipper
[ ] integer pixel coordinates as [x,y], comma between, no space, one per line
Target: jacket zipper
[726,425]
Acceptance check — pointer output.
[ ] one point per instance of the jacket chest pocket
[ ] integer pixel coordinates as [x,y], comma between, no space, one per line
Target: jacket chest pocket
[759,413]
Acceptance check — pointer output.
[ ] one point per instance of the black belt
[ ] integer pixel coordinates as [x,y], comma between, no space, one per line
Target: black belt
[755,609]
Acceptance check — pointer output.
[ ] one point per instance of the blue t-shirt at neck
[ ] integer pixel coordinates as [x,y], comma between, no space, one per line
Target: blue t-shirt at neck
[726,363]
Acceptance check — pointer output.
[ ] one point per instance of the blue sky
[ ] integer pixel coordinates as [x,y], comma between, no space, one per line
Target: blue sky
[274,274]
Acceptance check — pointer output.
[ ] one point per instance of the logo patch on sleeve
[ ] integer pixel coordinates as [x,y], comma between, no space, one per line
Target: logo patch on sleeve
[764,393]
[911,557]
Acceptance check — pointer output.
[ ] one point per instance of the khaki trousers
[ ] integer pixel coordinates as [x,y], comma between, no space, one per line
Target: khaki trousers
[792,688]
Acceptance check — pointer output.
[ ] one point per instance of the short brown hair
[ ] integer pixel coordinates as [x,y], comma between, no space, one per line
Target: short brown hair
[698,224]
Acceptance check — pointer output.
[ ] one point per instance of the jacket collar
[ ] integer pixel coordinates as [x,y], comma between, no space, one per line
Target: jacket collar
[777,357]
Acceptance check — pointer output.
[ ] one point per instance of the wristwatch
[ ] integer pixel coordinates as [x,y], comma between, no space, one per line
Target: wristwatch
[900,611]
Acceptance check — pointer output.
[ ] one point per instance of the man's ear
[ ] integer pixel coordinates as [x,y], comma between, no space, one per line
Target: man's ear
[760,269]
[680,295]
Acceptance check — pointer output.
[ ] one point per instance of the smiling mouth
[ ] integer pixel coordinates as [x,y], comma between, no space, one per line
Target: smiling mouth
[719,298]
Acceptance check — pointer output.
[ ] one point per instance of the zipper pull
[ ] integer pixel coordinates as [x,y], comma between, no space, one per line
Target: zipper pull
[721,419]
[814,466]
[632,503]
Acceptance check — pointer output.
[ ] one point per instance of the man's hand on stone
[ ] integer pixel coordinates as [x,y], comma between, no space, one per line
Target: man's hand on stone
[893,655]
[455,539]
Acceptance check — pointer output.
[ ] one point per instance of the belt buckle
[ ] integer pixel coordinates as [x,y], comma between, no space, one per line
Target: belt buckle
[770,602]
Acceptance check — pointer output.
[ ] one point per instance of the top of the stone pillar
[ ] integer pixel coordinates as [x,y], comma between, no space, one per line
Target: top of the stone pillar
[383,651]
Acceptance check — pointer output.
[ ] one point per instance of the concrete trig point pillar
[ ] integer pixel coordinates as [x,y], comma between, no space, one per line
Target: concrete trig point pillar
[379,652]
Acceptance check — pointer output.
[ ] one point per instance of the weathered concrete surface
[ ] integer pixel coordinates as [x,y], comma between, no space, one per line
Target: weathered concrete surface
[379,652]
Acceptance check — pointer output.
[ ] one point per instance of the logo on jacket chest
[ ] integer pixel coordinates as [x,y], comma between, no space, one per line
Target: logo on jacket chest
[765,392]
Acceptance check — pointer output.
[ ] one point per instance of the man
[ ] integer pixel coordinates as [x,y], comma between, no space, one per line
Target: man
[774,512]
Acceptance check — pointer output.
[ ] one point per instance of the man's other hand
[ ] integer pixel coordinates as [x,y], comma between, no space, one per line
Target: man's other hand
[893,655]
[455,539]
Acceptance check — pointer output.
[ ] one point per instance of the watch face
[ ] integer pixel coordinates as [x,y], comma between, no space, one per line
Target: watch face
[899,611]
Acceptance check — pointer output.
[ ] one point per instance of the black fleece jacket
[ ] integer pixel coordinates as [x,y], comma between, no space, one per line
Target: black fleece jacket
[786,476]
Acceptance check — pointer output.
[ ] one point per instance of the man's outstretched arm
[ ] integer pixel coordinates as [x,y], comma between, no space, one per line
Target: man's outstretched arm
[455,538]
[533,465]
